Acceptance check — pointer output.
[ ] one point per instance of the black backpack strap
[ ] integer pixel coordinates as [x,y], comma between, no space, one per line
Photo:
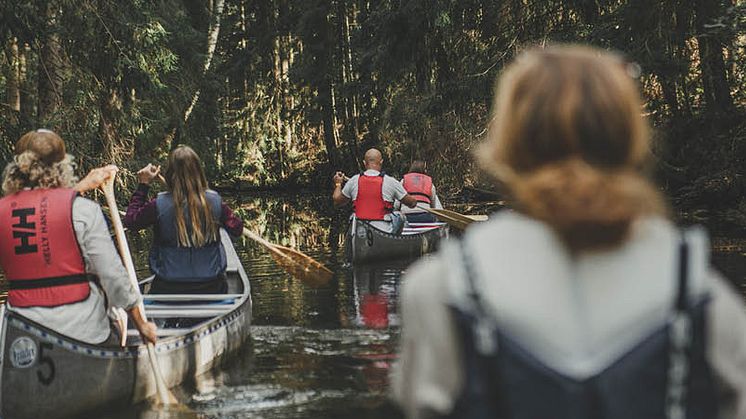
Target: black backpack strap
[467,264]
[680,340]
[484,326]
[682,296]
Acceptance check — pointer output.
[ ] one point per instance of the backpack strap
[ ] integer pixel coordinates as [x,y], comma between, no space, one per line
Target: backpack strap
[682,296]
[484,325]
[680,339]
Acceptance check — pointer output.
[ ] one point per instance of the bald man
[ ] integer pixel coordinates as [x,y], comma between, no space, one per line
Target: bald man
[372,193]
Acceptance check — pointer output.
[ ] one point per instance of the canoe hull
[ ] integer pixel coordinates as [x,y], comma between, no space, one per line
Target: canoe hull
[45,374]
[366,243]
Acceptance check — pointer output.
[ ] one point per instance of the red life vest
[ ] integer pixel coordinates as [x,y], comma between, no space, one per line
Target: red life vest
[419,186]
[369,204]
[39,251]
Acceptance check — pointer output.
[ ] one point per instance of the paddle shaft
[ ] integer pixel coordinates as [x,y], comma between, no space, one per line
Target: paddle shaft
[161,389]
[261,240]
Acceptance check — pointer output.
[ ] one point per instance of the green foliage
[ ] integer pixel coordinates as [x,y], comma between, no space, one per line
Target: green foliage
[299,89]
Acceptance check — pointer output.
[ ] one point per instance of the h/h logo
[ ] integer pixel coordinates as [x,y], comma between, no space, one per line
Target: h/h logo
[24,230]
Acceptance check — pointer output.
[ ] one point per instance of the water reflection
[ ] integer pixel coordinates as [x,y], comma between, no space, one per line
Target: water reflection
[316,352]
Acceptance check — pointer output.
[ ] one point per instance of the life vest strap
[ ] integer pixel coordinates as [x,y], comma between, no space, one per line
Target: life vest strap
[32,284]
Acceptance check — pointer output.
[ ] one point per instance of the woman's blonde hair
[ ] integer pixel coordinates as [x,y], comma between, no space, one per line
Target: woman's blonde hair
[40,161]
[186,180]
[568,140]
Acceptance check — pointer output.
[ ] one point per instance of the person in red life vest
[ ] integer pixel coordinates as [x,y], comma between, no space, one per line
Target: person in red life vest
[418,184]
[186,255]
[372,193]
[93,179]
[55,250]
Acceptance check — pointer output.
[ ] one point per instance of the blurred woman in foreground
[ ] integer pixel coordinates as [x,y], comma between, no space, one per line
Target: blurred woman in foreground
[586,302]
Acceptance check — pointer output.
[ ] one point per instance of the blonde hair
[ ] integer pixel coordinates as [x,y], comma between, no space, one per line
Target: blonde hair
[186,180]
[40,162]
[568,140]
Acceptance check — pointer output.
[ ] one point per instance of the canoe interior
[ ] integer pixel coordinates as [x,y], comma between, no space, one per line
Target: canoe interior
[45,374]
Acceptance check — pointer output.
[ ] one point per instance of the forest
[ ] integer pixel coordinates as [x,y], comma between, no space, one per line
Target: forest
[280,93]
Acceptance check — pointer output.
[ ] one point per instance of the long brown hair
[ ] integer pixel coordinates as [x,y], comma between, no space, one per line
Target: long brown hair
[186,180]
[569,141]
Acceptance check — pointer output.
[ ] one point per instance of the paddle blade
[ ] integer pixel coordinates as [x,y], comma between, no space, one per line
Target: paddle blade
[297,264]
[455,219]
[302,266]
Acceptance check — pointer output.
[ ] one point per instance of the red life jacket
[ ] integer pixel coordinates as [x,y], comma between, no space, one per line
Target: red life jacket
[39,251]
[369,204]
[419,186]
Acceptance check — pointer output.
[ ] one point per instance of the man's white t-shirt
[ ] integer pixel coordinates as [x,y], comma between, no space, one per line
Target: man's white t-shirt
[391,190]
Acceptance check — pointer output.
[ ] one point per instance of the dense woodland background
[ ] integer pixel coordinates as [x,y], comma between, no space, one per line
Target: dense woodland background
[280,93]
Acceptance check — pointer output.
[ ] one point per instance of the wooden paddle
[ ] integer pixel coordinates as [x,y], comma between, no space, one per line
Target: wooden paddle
[164,395]
[296,263]
[455,219]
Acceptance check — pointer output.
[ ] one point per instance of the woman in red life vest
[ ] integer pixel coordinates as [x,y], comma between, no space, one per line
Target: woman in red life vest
[55,250]
[419,185]
[187,255]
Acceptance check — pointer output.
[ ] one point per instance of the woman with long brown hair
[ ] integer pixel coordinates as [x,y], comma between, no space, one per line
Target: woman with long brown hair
[59,261]
[585,302]
[187,255]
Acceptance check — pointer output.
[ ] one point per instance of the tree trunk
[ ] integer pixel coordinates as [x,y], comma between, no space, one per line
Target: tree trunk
[347,79]
[212,43]
[51,66]
[668,87]
[109,147]
[330,131]
[13,77]
[27,107]
[279,95]
[714,81]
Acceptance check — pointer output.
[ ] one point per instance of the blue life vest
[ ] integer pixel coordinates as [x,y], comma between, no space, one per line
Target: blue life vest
[665,376]
[172,262]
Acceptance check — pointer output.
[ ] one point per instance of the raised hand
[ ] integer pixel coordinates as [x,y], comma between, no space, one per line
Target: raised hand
[95,178]
[148,173]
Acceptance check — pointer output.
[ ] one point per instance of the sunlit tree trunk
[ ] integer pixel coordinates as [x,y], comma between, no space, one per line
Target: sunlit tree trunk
[714,80]
[279,91]
[109,146]
[13,75]
[51,65]
[27,106]
[216,9]
[348,77]
[212,43]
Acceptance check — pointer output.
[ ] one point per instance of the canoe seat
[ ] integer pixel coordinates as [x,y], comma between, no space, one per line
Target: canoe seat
[189,297]
[171,303]
[162,332]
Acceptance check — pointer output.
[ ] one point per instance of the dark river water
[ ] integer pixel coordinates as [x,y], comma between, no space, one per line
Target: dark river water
[318,352]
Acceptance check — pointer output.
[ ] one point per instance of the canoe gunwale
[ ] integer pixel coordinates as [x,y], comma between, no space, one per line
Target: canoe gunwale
[164,345]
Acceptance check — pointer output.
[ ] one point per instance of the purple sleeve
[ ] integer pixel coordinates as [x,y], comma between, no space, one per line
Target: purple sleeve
[141,213]
[232,224]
